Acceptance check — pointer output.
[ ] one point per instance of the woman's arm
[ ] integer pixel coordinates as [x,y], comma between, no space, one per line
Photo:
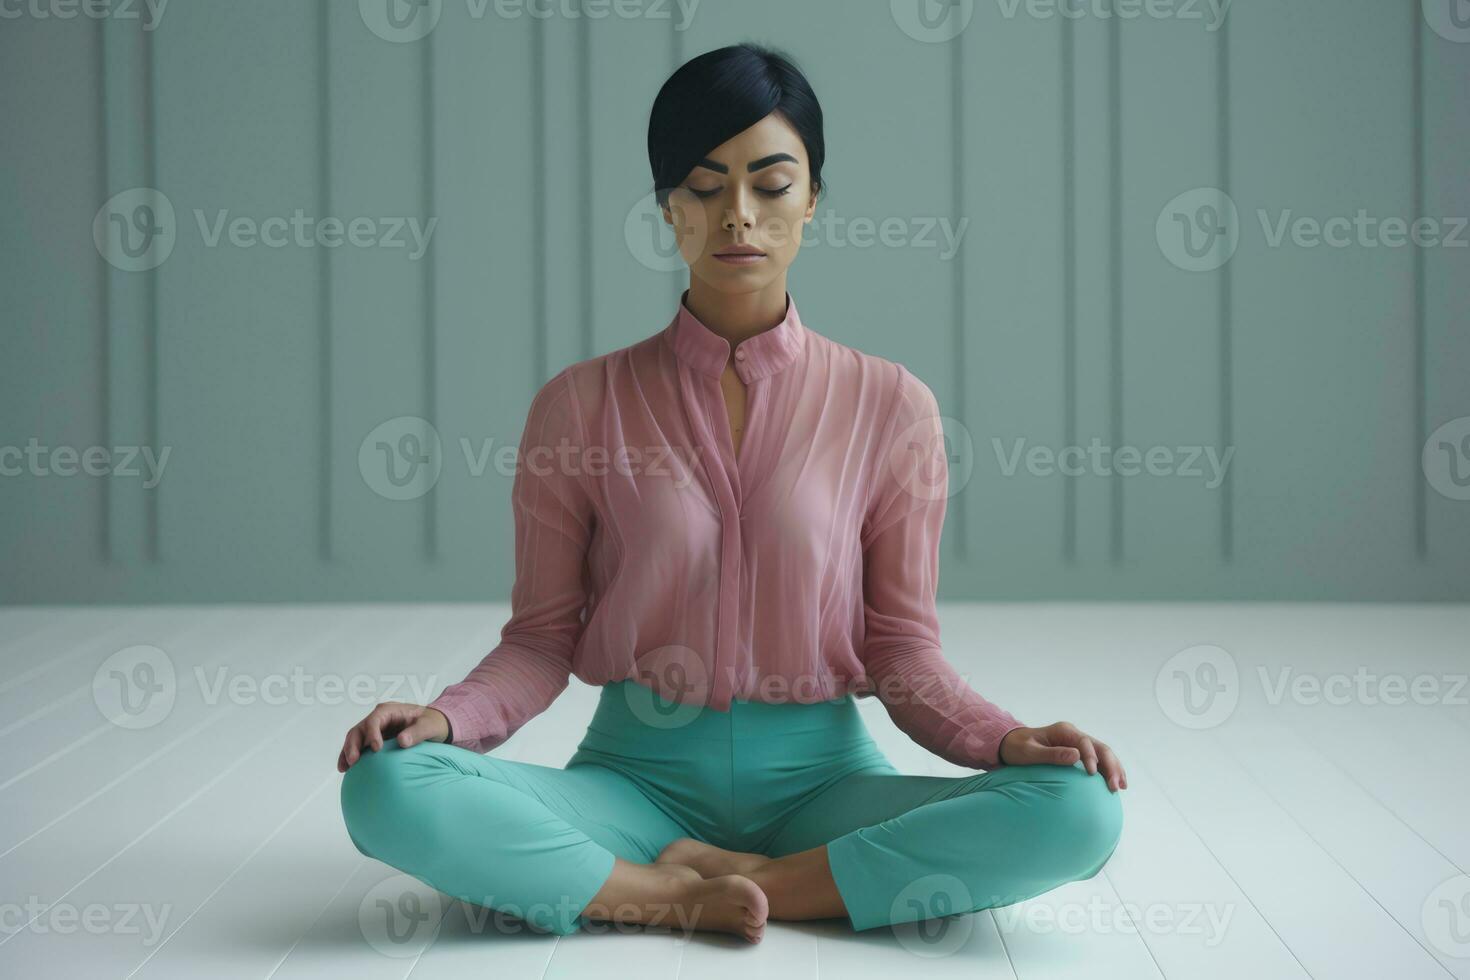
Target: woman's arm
[923,694]
[554,520]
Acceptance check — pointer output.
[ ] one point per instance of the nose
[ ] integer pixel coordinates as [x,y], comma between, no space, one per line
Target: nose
[742,212]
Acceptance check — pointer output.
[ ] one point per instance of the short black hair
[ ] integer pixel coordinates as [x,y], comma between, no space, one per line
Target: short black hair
[719,94]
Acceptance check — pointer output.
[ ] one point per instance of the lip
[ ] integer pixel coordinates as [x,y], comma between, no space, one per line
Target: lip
[740,255]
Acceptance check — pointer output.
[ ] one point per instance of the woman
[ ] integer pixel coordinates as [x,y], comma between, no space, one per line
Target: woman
[733,548]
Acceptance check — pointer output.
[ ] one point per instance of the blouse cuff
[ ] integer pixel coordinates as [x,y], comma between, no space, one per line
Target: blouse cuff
[468,729]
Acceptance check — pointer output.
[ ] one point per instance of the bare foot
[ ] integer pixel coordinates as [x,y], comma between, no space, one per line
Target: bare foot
[728,903]
[676,896]
[710,861]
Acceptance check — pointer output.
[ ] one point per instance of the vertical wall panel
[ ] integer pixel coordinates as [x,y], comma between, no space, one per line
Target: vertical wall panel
[564,278]
[1014,292]
[236,121]
[1092,44]
[1446,302]
[51,301]
[125,348]
[1170,383]
[630,58]
[377,298]
[1320,94]
[489,196]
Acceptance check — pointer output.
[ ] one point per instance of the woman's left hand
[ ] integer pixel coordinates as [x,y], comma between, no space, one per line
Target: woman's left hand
[1062,744]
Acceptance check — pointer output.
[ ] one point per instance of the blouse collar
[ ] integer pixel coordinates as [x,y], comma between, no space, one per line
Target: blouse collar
[755,357]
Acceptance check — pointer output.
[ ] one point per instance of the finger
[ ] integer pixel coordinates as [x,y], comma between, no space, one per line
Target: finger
[342,761]
[1089,755]
[387,719]
[1112,768]
[354,744]
[415,733]
[1065,755]
[372,730]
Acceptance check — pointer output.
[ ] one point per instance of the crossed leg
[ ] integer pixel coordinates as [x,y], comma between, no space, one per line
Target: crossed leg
[884,848]
[553,847]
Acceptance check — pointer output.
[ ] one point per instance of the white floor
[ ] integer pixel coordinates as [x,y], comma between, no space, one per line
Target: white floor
[1314,830]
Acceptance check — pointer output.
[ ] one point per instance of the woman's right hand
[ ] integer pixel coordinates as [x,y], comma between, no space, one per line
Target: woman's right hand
[413,723]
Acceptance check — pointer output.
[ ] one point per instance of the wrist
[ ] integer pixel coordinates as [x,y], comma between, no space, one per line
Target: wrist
[448,725]
[1000,751]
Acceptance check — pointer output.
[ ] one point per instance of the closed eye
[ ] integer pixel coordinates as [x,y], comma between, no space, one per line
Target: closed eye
[778,192]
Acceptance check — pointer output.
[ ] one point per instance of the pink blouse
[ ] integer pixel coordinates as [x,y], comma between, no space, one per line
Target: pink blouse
[800,570]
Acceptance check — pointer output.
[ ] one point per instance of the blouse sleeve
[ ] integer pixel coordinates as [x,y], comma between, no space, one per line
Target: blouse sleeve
[532,663]
[921,691]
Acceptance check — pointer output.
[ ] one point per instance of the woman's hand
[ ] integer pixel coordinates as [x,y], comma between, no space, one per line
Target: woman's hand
[413,723]
[1062,744]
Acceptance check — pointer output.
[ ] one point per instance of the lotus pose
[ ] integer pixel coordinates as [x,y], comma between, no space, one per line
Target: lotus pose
[732,528]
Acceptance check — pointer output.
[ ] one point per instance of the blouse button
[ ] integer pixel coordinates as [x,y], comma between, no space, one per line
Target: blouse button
[740,355]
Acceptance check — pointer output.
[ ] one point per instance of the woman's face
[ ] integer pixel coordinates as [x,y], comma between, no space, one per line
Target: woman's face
[752,191]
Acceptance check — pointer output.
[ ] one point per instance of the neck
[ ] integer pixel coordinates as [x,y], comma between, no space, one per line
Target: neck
[737,316]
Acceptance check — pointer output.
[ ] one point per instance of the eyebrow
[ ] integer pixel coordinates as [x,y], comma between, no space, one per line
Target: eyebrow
[752,166]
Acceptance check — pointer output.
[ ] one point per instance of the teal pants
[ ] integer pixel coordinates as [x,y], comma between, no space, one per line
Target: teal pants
[537,842]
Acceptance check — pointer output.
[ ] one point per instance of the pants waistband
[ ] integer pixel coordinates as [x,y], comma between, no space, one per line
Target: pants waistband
[628,705]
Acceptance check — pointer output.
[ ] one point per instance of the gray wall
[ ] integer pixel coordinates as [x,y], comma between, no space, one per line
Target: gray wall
[1070,312]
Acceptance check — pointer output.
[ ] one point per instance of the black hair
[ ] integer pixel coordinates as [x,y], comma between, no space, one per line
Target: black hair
[719,94]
